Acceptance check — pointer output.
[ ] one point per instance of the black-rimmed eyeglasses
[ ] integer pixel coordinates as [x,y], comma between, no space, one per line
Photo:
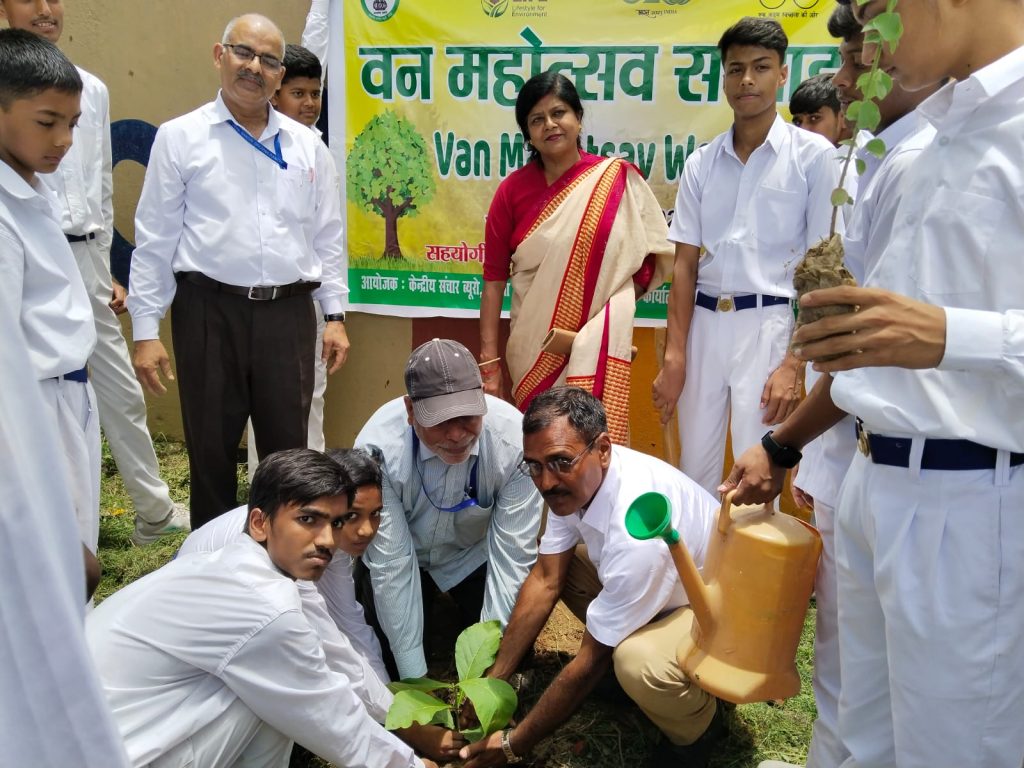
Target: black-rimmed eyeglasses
[558,466]
[246,54]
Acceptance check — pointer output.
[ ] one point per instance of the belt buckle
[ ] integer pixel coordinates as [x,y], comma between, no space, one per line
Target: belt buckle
[725,304]
[253,297]
[863,444]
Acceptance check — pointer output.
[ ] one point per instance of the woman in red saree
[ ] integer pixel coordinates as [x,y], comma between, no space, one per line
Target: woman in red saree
[581,237]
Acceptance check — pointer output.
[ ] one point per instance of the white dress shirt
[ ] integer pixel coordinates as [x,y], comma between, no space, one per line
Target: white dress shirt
[755,220]
[214,204]
[52,710]
[330,604]
[955,242]
[638,579]
[315,35]
[868,229]
[500,531]
[178,647]
[83,181]
[40,280]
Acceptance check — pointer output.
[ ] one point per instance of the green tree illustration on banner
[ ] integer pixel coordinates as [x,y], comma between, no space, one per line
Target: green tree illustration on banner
[389,174]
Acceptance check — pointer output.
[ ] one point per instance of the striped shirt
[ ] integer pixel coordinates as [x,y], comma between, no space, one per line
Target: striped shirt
[501,530]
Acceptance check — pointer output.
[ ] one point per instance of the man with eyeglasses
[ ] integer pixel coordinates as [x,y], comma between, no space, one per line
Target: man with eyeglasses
[625,591]
[458,517]
[238,229]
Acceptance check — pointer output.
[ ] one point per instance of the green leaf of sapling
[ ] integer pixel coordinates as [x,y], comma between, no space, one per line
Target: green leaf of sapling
[476,648]
[868,117]
[417,684]
[852,111]
[876,147]
[494,701]
[862,166]
[889,26]
[473,734]
[840,197]
[413,706]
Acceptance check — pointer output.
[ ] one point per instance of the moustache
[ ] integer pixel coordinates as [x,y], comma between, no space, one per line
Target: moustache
[320,552]
[254,78]
[555,493]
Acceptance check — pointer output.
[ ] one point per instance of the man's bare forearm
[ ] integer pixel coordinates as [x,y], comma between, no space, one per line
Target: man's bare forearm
[536,600]
[814,416]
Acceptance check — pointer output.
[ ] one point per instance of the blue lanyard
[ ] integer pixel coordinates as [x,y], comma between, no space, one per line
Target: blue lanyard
[276,155]
[470,492]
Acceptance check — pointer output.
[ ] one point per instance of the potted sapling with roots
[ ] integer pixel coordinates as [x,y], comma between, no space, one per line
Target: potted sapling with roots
[823,265]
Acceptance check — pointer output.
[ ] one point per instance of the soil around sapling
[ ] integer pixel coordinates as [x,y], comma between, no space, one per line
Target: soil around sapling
[822,267]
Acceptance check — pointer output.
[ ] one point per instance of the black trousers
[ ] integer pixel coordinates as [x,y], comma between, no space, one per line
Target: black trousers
[237,359]
[468,596]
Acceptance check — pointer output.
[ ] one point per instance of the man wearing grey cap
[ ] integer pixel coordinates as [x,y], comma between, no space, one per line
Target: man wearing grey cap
[458,517]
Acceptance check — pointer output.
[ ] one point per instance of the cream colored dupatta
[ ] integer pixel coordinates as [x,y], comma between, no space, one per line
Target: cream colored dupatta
[573,271]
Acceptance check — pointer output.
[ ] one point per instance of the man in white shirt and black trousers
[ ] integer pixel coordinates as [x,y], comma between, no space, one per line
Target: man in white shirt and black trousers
[239,224]
[626,591]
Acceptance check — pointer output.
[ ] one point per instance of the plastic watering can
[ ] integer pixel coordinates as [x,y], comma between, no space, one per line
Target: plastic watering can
[749,607]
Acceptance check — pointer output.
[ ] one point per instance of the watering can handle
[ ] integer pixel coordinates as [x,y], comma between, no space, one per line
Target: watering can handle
[725,513]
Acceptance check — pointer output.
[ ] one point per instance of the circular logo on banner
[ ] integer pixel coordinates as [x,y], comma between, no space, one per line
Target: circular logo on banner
[494,8]
[380,10]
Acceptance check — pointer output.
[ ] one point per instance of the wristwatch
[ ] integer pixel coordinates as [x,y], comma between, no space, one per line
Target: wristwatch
[335,317]
[510,756]
[784,456]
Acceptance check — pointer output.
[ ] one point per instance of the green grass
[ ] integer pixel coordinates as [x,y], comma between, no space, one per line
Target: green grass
[608,731]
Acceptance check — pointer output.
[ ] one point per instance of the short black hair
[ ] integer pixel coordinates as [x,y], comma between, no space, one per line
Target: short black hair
[300,62]
[843,25]
[764,33]
[585,412]
[813,94]
[362,465]
[30,65]
[296,476]
[536,88]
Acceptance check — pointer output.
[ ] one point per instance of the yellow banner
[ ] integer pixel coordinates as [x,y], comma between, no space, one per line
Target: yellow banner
[429,97]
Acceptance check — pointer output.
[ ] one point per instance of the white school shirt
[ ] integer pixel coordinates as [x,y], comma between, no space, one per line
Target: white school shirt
[176,648]
[827,459]
[315,35]
[638,579]
[500,531]
[53,713]
[212,203]
[39,278]
[755,220]
[330,604]
[955,242]
[83,182]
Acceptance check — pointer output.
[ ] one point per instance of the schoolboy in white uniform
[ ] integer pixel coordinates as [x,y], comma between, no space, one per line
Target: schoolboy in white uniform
[84,187]
[826,460]
[41,280]
[52,710]
[635,609]
[930,539]
[753,200]
[211,661]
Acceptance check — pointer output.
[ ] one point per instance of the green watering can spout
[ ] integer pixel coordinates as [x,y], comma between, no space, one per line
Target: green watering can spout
[650,516]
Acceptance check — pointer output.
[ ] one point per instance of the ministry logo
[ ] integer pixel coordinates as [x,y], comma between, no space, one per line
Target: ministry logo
[380,10]
[494,8]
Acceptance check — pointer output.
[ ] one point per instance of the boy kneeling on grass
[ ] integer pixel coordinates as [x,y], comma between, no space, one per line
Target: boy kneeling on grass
[212,661]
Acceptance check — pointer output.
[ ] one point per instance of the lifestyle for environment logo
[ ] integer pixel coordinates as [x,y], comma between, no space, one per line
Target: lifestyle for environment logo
[380,10]
[494,8]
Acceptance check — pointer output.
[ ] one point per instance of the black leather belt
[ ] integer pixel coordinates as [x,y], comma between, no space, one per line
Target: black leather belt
[255,293]
[937,454]
[81,376]
[80,238]
[743,301]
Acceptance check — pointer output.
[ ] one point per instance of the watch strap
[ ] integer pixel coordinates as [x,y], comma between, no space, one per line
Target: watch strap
[335,317]
[510,757]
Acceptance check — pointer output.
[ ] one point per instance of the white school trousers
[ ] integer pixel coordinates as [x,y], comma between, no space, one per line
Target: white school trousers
[122,407]
[71,407]
[729,356]
[826,750]
[315,434]
[930,568]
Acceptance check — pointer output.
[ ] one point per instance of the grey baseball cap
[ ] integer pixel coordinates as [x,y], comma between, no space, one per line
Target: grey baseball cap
[443,381]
